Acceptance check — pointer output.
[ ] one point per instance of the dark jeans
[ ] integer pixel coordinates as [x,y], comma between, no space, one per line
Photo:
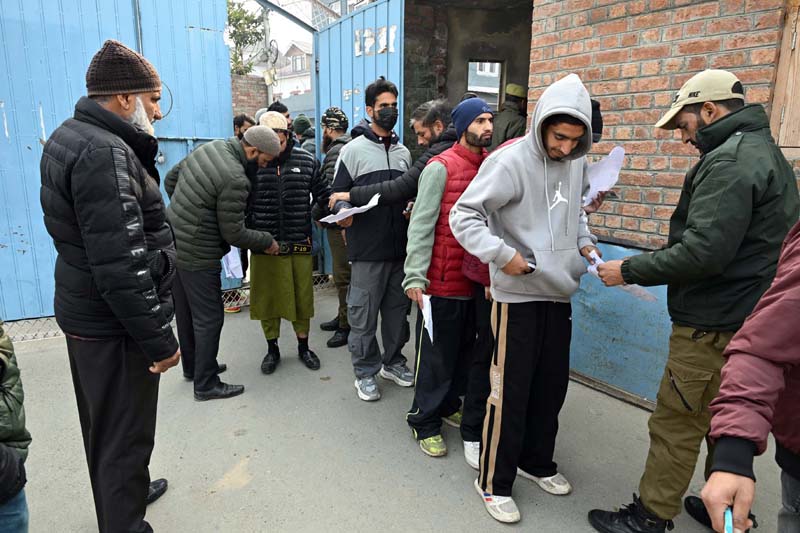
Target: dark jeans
[478,378]
[529,375]
[789,515]
[437,384]
[117,397]
[14,514]
[200,313]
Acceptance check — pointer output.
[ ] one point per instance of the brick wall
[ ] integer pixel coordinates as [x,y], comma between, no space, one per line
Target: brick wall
[633,55]
[249,94]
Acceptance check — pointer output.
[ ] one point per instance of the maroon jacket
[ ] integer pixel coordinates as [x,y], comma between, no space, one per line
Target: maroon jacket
[760,389]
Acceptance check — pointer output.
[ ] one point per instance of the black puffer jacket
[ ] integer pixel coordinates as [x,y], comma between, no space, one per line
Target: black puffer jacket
[280,200]
[403,188]
[103,208]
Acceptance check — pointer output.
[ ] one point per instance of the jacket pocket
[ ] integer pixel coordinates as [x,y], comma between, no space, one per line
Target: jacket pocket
[557,275]
[683,387]
[357,307]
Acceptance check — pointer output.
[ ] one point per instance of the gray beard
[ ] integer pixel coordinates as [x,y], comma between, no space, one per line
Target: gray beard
[139,118]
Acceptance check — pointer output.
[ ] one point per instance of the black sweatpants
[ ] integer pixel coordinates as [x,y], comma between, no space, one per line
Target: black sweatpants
[437,384]
[117,397]
[199,312]
[528,378]
[478,377]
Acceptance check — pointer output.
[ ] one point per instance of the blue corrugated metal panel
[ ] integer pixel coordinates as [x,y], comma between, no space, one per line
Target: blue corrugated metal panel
[45,48]
[353,52]
[617,338]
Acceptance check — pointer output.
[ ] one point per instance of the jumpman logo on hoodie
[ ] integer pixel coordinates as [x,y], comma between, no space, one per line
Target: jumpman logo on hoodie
[558,198]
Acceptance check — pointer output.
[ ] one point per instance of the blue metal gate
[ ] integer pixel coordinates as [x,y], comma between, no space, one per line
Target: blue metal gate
[351,53]
[45,48]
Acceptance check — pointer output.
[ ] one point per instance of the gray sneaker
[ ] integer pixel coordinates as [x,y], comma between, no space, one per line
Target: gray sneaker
[367,389]
[400,374]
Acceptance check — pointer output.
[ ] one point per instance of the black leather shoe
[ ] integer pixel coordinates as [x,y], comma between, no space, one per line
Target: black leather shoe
[156,490]
[331,325]
[339,338]
[309,359]
[632,518]
[696,509]
[222,368]
[270,362]
[220,392]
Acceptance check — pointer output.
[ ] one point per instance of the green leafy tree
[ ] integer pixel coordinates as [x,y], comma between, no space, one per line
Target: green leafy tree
[245,31]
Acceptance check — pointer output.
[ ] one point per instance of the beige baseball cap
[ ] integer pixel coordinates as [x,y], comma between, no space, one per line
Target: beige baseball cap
[274,120]
[707,86]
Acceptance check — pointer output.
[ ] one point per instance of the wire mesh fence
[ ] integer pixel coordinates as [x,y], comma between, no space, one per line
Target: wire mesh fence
[46,327]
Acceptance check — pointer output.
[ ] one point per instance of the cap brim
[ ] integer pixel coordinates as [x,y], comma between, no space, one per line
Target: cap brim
[667,122]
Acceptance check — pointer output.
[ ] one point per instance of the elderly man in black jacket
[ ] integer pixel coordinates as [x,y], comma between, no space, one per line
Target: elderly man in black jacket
[208,194]
[282,286]
[116,262]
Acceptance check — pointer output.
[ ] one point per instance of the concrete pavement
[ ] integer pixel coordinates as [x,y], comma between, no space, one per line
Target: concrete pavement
[299,452]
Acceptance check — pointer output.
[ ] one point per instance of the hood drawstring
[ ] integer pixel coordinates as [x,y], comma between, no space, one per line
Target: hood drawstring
[569,199]
[547,200]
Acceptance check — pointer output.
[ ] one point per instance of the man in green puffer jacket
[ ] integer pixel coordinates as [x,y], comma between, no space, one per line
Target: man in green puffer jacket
[208,196]
[737,205]
[14,442]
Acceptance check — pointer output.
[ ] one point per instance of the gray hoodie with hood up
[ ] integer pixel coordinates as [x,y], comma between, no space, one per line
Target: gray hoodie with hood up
[522,200]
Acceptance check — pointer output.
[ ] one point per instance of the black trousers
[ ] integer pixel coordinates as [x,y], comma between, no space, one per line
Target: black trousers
[200,313]
[117,397]
[528,376]
[478,377]
[437,384]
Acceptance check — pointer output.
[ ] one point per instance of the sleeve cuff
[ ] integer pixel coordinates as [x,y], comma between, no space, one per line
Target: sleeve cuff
[586,241]
[627,275]
[734,455]
[505,256]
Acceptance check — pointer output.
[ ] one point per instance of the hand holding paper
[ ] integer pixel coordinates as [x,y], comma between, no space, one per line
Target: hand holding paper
[350,211]
[634,290]
[604,174]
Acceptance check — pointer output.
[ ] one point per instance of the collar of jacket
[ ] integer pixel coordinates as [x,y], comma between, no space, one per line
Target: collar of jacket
[448,135]
[284,156]
[238,149]
[749,118]
[369,134]
[508,106]
[471,157]
[145,146]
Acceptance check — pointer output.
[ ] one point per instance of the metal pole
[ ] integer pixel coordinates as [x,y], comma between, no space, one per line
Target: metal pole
[267,4]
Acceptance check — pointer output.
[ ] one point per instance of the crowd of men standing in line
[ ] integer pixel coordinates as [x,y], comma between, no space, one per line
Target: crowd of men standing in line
[496,246]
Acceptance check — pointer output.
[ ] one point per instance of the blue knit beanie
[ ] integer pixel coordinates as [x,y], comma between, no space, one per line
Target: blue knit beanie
[467,111]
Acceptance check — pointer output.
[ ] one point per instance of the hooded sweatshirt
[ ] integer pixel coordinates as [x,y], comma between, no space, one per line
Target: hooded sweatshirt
[532,204]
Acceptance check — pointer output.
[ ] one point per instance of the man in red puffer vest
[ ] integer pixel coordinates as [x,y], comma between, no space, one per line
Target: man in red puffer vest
[434,267]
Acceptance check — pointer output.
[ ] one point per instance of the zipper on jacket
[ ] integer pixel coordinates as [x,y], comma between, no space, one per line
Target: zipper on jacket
[677,390]
[280,204]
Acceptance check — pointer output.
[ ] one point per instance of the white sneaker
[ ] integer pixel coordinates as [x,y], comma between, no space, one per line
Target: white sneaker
[502,508]
[367,389]
[472,453]
[556,484]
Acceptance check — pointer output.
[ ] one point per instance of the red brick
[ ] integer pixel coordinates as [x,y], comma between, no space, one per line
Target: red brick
[547,11]
[616,11]
[755,75]
[609,87]
[596,15]
[544,66]
[696,63]
[652,20]
[636,7]
[643,100]
[673,33]
[673,64]
[650,52]
[679,163]
[729,7]
[629,39]
[613,221]
[655,242]
[768,20]
[651,36]
[764,56]
[574,34]
[575,62]
[752,40]
[662,213]
[655,5]
[757,95]
[576,47]
[669,179]
[611,41]
[728,25]
[649,226]
[694,29]
[699,46]
[611,56]
[546,39]
[632,194]
[629,70]
[637,239]
[611,72]
[659,163]
[707,10]
[623,133]
[762,5]
[677,148]
[635,178]
[642,117]
[578,5]
[651,68]
[640,147]
[592,74]
[630,223]
[663,228]
[732,59]
[671,197]
[597,220]
[611,27]
[654,83]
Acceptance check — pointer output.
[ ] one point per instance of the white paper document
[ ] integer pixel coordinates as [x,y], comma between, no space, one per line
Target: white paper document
[604,174]
[635,290]
[427,315]
[232,262]
[350,211]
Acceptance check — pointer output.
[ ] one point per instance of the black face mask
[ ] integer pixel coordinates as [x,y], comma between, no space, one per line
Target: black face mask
[387,118]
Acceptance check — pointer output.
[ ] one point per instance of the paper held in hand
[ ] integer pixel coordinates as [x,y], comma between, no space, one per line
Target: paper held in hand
[604,174]
[350,211]
[634,290]
[427,315]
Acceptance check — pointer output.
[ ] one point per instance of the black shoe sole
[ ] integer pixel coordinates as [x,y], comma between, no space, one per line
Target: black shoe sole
[269,370]
[598,526]
[326,327]
[220,397]
[336,344]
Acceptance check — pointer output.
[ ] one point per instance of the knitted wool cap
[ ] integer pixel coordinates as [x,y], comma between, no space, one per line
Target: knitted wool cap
[301,124]
[116,69]
[264,139]
[274,120]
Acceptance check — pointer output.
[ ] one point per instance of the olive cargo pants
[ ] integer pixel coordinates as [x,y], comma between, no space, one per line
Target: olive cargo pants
[681,419]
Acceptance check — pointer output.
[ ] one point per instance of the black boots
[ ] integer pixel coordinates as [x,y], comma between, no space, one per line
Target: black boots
[339,338]
[633,518]
[331,325]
